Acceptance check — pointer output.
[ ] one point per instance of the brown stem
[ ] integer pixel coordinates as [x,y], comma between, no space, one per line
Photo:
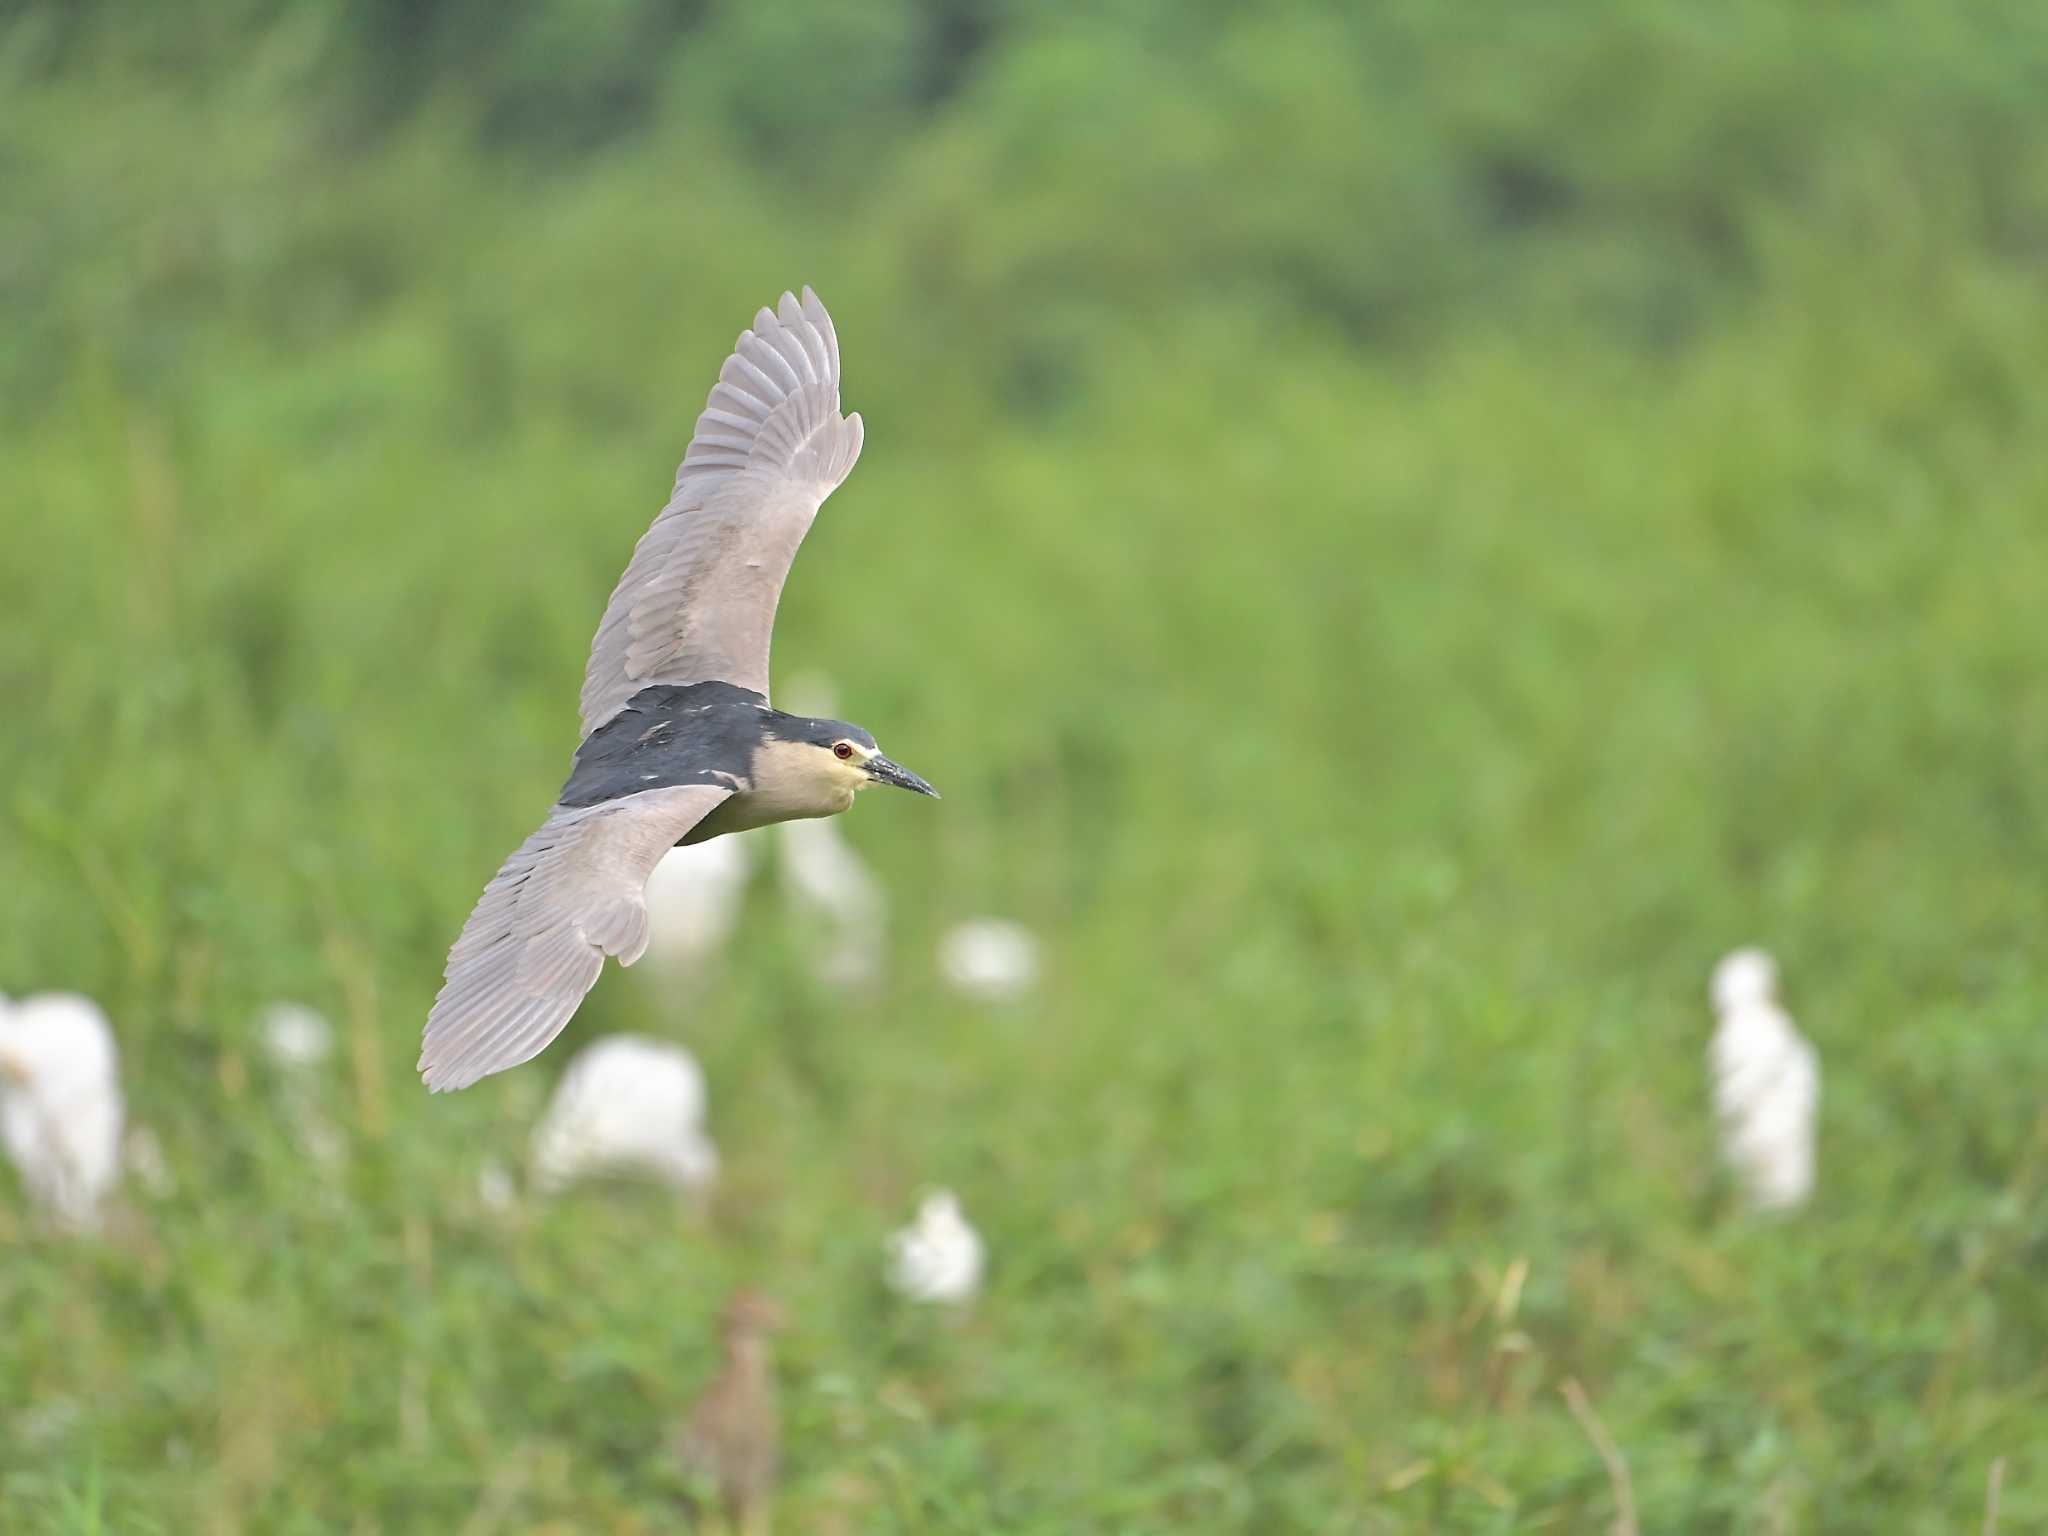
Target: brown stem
[1617,1467]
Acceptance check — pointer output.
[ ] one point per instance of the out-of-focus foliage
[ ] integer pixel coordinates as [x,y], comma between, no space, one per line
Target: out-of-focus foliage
[1402,530]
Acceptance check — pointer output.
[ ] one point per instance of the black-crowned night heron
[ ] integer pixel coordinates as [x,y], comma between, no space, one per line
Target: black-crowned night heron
[680,743]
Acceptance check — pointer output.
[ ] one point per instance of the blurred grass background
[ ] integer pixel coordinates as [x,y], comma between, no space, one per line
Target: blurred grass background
[1402,531]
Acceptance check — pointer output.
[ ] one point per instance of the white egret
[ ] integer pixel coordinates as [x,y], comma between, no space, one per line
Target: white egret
[939,1256]
[1766,1084]
[61,1110]
[989,959]
[627,1105]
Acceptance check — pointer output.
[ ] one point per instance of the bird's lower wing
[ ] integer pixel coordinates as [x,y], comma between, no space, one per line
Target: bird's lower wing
[573,893]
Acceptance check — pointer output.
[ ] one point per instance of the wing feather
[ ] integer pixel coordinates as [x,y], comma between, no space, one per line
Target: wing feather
[697,602]
[573,893]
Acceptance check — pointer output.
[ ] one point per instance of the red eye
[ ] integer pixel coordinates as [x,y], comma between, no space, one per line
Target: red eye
[842,751]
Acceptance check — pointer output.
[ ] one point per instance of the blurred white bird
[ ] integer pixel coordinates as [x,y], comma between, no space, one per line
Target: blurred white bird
[693,902]
[1766,1084]
[989,959]
[295,1037]
[299,1041]
[938,1257]
[1743,977]
[60,1104]
[830,893]
[627,1105]
[496,1189]
[839,906]
[143,1156]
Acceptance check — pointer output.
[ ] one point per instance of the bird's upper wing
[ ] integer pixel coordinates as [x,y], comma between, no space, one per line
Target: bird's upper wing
[697,603]
[573,893]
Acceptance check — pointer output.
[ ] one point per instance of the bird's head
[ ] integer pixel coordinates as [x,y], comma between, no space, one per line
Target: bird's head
[753,1312]
[14,1071]
[844,759]
[1745,978]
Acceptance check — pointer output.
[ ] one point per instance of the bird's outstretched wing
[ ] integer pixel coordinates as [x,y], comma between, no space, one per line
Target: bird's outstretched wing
[573,893]
[697,603]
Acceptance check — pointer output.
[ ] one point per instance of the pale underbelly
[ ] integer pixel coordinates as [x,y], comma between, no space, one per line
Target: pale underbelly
[750,809]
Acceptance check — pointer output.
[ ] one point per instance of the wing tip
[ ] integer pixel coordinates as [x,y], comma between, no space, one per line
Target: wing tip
[803,309]
[438,1079]
[850,439]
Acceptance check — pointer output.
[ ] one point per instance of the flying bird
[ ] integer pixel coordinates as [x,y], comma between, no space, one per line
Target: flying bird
[680,743]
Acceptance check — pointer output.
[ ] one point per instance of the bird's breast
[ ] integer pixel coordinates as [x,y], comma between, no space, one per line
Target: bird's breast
[763,805]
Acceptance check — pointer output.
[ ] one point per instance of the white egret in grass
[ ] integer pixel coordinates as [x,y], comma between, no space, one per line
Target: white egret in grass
[143,1156]
[61,1111]
[630,1106]
[693,903]
[299,1042]
[1743,977]
[296,1038]
[989,959]
[939,1256]
[496,1190]
[837,905]
[1766,1080]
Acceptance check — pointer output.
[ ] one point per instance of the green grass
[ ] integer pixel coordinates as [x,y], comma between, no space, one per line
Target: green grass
[1385,651]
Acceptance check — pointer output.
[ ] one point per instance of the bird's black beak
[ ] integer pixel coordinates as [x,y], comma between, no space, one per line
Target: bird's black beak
[882,771]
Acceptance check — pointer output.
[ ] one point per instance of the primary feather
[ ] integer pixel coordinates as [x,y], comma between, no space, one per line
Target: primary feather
[574,892]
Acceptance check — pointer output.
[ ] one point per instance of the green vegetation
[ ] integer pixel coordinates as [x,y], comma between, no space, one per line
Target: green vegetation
[1401,535]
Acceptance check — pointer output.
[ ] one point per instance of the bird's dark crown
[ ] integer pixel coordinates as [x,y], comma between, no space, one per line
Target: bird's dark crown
[818,733]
